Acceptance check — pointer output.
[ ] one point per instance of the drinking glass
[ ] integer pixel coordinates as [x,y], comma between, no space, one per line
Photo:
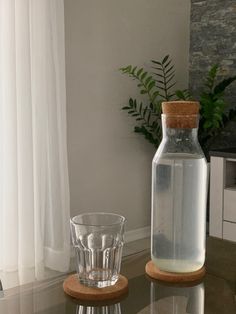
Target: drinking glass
[98,241]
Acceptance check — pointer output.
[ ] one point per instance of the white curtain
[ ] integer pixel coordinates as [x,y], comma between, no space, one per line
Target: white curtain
[34,190]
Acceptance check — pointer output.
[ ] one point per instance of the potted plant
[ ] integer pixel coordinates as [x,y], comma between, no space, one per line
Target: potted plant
[159,85]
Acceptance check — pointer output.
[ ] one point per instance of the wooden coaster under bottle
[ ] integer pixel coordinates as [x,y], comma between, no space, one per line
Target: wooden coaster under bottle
[154,272]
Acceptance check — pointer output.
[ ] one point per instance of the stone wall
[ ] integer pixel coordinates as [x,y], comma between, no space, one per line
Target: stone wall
[213,41]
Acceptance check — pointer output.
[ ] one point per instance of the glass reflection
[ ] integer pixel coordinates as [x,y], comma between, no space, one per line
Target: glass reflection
[105,309]
[176,299]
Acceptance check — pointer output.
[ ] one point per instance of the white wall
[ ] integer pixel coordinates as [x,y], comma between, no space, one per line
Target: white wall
[109,165]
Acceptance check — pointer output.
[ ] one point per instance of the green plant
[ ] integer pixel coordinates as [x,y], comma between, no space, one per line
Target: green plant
[213,110]
[158,86]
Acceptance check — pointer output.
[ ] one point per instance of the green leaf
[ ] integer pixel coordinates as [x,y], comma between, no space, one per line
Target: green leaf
[216,124]
[155,94]
[167,64]
[180,94]
[170,96]
[131,102]
[151,85]
[127,69]
[161,82]
[143,91]
[144,111]
[143,76]
[137,129]
[157,127]
[207,125]
[165,59]
[168,75]
[159,69]
[148,80]
[158,74]
[170,79]
[210,80]
[220,103]
[187,94]
[171,68]
[169,87]
[161,88]
[213,71]
[139,72]
[217,116]
[125,108]
[156,62]
[219,88]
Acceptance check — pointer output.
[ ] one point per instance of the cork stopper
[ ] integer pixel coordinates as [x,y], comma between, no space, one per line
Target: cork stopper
[181,114]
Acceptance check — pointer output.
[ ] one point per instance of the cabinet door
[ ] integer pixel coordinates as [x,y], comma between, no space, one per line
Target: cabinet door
[216,196]
[229,231]
[230,204]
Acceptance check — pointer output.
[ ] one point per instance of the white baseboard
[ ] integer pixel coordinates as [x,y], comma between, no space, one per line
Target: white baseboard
[137,234]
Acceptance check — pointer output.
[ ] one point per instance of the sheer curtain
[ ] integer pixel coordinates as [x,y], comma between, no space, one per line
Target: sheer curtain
[34,189]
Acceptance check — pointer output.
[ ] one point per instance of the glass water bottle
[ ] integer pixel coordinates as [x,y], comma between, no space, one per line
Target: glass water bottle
[179,192]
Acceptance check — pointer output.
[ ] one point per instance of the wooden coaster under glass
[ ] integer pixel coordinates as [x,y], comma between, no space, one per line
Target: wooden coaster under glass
[75,289]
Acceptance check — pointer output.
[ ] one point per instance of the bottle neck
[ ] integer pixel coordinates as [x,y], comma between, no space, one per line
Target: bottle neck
[180,135]
[180,127]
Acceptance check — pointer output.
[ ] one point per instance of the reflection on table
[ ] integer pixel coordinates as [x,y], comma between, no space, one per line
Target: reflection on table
[175,299]
[105,309]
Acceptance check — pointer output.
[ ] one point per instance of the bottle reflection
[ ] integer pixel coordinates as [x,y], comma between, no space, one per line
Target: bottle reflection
[105,309]
[176,299]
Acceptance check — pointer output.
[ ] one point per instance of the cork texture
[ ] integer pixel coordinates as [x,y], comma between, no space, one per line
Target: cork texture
[181,114]
[75,289]
[158,274]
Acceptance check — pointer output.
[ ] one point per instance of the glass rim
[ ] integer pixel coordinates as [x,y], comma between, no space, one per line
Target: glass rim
[123,219]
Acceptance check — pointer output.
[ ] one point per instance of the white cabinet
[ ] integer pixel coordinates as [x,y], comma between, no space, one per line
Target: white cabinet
[223,198]
[229,231]
[230,204]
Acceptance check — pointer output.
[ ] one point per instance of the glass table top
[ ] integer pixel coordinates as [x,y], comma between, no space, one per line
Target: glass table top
[215,294]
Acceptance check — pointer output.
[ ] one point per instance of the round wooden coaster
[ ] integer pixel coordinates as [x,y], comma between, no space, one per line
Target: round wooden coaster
[158,274]
[75,289]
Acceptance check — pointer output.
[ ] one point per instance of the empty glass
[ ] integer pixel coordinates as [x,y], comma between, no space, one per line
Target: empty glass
[98,241]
